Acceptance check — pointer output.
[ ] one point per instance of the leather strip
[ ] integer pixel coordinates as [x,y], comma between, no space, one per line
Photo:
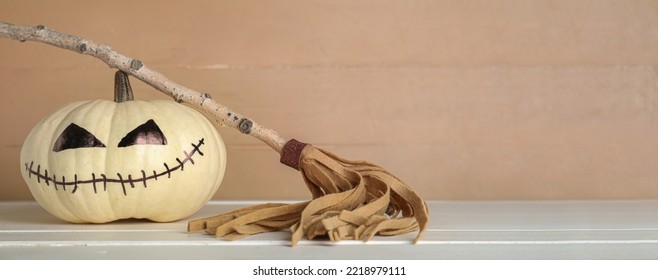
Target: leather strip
[292,152]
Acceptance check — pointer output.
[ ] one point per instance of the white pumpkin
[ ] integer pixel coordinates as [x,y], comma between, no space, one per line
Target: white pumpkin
[100,161]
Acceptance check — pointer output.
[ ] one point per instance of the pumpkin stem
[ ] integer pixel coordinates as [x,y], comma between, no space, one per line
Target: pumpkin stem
[122,90]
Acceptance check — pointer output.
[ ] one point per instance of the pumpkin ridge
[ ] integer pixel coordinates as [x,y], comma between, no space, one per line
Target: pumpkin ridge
[29,168]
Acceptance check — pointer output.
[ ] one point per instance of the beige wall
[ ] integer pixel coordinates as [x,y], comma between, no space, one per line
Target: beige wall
[461,99]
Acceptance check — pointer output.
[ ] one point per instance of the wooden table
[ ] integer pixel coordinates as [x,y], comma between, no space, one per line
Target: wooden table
[458,230]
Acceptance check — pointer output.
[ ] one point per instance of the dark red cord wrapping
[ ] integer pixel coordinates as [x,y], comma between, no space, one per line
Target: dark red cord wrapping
[292,152]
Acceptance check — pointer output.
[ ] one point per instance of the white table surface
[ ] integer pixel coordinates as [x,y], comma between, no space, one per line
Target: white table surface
[458,230]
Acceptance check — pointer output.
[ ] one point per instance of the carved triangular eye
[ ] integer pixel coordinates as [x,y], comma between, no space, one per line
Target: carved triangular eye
[147,133]
[74,137]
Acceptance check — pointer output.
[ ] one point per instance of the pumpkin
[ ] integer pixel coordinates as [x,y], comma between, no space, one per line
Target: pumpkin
[100,161]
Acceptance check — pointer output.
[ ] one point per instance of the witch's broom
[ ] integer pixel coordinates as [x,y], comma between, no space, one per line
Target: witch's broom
[351,199]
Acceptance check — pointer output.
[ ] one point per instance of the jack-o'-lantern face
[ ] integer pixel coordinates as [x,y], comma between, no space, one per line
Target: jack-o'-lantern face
[99,161]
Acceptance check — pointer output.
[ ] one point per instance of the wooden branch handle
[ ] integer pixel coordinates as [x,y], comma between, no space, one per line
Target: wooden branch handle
[201,101]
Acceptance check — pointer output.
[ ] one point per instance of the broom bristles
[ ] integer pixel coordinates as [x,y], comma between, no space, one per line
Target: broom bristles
[352,200]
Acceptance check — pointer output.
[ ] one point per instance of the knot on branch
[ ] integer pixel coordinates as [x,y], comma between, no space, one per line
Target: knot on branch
[178,98]
[245,125]
[136,64]
[82,47]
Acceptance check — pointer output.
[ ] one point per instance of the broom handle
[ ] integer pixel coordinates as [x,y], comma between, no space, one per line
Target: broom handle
[201,101]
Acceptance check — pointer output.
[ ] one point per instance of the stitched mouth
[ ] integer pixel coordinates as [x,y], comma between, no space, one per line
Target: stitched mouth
[102,180]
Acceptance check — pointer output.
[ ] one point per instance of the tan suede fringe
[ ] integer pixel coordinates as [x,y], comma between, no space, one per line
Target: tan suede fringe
[352,200]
